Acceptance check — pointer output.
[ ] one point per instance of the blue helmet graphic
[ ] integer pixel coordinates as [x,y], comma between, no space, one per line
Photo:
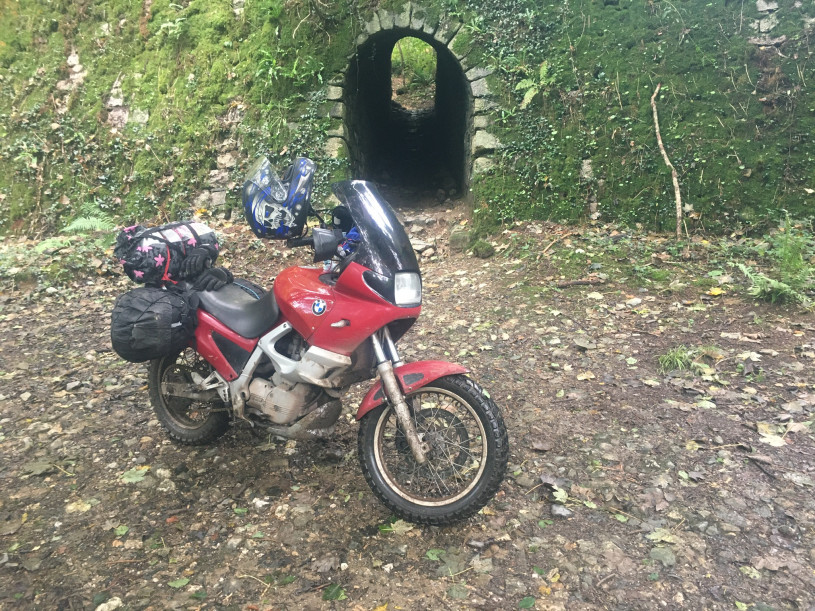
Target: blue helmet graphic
[277,208]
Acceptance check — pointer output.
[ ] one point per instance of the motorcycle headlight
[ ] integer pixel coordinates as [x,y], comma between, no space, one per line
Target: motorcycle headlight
[407,289]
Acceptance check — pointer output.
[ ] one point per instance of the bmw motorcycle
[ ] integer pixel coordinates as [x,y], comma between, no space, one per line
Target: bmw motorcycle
[432,444]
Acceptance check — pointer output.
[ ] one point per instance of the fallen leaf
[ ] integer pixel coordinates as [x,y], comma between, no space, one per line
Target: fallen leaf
[41,467]
[542,446]
[134,476]
[799,479]
[77,507]
[662,535]
[400,527]
[586,375]
[775,441]
[798,427]
[584,343]
[771,563]
[334,592]
[179,583]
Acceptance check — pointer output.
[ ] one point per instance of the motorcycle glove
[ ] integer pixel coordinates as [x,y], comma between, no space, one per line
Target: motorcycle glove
[213,279]
[349,245]
[196,262]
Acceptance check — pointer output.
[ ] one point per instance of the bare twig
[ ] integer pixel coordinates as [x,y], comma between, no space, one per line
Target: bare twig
[555,241]
[260,581]
[64,471]
[586,281]
[761,467]
[605,579]
[674,175]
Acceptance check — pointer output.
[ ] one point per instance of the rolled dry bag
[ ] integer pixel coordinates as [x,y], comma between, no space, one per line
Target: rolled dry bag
[155,255]
[150,323]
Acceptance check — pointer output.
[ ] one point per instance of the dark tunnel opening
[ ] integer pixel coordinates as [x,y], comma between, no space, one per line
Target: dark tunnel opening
[417,153]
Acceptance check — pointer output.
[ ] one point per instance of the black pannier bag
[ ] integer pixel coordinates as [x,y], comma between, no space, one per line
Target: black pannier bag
[155,255]
[150,323]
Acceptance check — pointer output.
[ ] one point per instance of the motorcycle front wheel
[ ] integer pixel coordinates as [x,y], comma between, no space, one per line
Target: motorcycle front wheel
[195,419]
[466,460]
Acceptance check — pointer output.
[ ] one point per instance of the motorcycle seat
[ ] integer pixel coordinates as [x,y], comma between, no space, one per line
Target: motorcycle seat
[245,309]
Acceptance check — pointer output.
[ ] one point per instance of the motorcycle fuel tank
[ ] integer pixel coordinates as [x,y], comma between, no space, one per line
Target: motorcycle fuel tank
[303,299]
[336,318]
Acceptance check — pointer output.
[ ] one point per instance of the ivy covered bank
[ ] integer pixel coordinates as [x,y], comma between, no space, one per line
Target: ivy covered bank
[148,108]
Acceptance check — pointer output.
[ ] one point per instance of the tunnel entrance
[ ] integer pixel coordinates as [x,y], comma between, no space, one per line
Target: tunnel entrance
[404,141]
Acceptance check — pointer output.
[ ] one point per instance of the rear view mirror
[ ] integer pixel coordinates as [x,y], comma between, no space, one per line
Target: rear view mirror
[325,243]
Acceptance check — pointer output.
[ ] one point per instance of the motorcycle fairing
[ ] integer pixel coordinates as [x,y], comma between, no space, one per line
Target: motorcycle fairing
[411,376]
[352,311]
[205,343]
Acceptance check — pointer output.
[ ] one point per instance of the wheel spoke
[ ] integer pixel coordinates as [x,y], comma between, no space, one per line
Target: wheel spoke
[455,439]
[189,411]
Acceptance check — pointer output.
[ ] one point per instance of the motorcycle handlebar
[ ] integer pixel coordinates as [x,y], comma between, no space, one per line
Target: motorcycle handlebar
[295,242]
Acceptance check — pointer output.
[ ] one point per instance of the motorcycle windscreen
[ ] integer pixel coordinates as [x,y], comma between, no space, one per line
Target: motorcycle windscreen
[384,246]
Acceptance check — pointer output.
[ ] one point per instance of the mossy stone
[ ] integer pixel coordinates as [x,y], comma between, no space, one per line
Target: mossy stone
[460,240]
[483,249]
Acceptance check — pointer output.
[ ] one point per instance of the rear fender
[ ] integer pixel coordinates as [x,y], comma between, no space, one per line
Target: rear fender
[411,376]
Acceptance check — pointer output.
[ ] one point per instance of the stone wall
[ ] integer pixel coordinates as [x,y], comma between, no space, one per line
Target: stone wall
[347,137]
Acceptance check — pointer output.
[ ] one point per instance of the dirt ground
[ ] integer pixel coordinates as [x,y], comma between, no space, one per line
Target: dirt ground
[629,487]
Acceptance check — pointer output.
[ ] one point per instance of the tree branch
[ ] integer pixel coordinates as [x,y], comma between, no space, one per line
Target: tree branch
[674,175]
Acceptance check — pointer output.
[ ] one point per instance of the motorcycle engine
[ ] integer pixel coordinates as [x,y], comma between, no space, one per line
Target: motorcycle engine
[279,401]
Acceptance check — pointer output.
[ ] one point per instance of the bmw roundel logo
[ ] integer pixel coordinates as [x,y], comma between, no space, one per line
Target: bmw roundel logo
[318,307]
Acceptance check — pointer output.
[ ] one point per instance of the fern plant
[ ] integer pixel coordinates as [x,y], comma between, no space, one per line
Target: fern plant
[532,86]
[792,247]
[90,224]
[92,220]
[774,291]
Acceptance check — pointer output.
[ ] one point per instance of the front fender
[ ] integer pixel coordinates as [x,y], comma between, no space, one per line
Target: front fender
[411,376]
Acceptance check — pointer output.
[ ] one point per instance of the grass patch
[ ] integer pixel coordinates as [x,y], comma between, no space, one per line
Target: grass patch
[677,358]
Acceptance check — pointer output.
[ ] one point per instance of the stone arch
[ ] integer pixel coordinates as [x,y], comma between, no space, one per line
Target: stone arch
[433,151]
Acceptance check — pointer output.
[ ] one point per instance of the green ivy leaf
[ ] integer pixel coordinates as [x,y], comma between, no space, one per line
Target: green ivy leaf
[121,530]
[134,476]
[434,554]
[527,603]
[179,583]
[334,592]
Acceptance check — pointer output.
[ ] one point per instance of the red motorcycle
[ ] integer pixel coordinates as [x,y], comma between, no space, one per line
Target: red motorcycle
[432,444]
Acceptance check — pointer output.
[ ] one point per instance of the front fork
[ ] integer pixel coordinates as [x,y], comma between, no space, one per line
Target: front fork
[383,341]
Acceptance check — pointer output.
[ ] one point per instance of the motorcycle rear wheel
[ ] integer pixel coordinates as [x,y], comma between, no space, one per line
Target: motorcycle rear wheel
[186,421]
[466,461]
